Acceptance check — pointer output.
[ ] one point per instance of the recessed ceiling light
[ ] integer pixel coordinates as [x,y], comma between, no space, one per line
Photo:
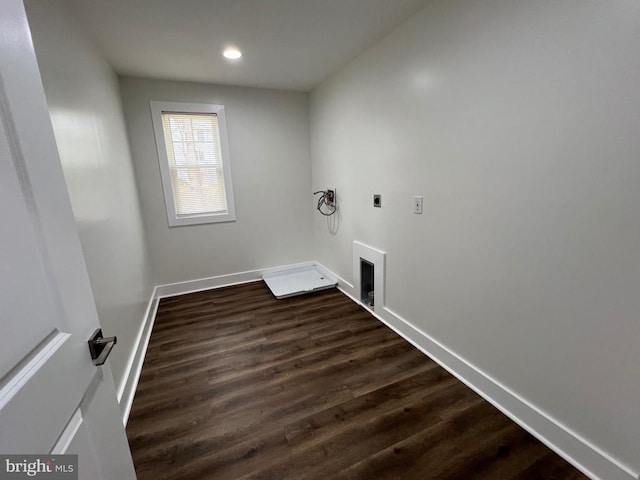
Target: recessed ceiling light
[232,53]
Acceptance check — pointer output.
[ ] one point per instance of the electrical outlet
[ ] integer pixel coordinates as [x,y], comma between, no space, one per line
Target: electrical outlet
[331,197]
[377,201]
[417,205]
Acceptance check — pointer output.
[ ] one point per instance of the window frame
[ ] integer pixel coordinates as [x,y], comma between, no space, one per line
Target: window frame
[157,109]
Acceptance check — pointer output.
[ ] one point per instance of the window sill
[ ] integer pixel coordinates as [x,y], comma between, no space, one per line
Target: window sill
[201,219]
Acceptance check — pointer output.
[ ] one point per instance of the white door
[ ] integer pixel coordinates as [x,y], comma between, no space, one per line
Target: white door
[53,399]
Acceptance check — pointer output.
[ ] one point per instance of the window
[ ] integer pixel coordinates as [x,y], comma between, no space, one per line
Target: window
[194,162]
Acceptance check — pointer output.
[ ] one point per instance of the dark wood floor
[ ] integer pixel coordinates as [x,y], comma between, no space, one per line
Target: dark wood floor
[237,384]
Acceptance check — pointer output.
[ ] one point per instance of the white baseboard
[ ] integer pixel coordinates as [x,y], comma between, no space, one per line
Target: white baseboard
[192,286]
[127,388]
[585,456]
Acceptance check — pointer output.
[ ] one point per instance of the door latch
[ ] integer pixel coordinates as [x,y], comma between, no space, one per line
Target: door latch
[100,347]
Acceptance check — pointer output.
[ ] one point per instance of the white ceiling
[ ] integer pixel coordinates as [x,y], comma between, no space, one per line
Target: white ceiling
[289,44]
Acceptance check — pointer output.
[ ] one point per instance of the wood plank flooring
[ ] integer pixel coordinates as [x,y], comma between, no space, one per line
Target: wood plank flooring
[239,385]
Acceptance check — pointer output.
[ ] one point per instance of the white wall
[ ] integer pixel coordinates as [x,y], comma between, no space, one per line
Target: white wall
[519,122]
[84,102]
[269,148]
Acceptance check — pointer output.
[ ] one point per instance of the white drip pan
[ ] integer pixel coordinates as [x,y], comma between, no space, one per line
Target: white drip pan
[298,281]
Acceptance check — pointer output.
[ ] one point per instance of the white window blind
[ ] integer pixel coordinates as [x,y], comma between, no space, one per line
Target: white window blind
[195,163]
[193,155]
